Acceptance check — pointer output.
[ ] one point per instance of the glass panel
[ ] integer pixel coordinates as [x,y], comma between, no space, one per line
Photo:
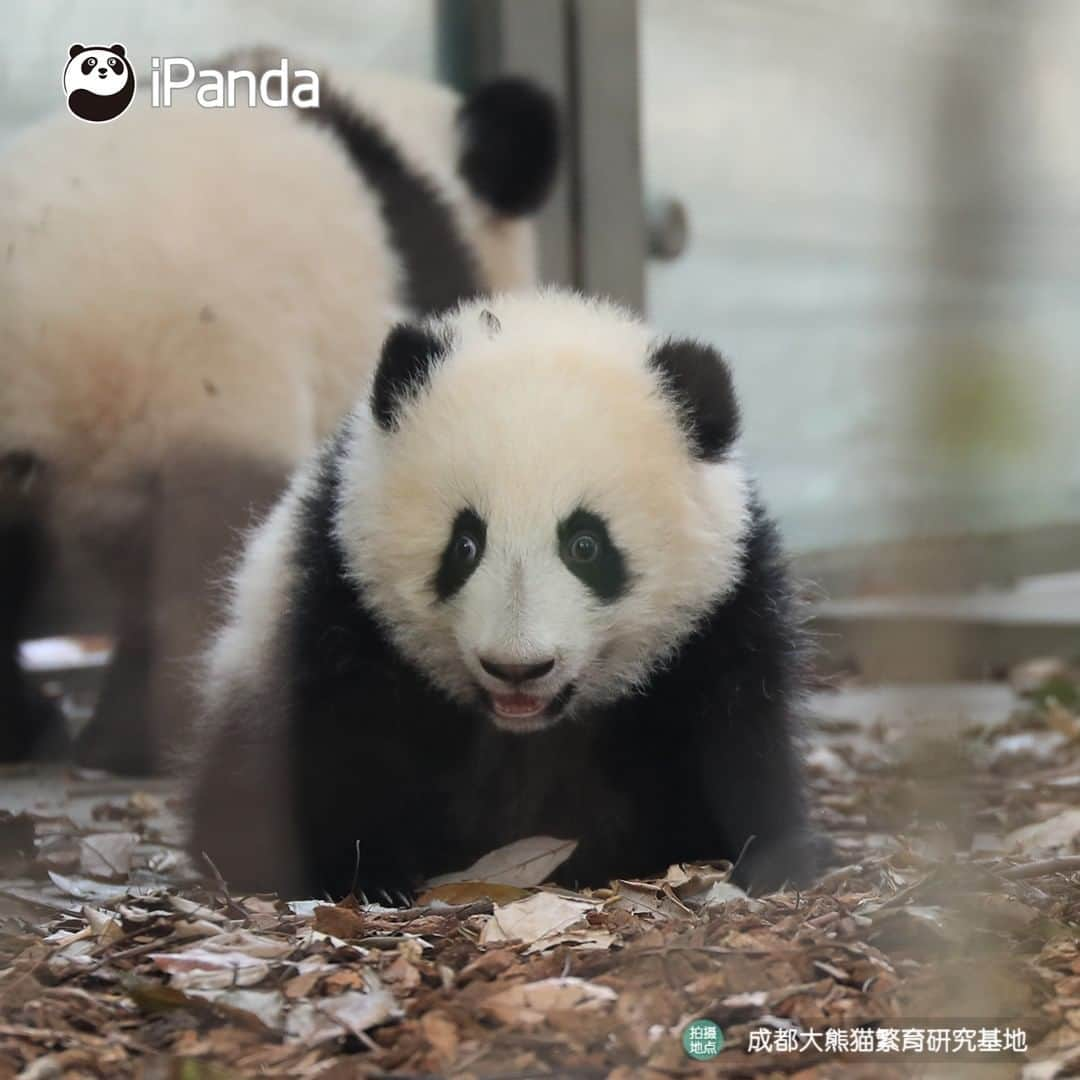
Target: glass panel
[884,205]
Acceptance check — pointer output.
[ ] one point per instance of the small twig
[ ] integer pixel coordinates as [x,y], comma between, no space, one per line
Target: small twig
[218,878]
[67,1037]
[709,950]
[110,957]
[841,873]
[44,909]
[230,903]
[1067,864]
[735,865]
[356,869]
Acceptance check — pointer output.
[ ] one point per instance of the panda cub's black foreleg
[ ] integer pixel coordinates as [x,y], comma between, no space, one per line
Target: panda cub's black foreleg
[368,804]
[754,790]
[729,708]
[749,755]
[30,724]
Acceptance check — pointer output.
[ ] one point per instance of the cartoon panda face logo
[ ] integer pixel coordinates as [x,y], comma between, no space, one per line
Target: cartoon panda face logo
[99,82]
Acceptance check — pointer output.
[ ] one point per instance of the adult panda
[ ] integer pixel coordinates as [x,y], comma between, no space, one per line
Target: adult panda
[190,301]
[526,590]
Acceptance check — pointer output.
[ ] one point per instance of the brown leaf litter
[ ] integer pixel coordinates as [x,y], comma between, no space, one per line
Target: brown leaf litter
[956,894]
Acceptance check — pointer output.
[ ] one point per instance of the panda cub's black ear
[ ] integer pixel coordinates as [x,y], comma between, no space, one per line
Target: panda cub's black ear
[75,50]
[698,380]
[409,355]
[510,144]
[118,49]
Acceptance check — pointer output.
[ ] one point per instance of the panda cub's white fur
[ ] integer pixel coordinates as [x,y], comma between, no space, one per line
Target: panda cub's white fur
[525,590]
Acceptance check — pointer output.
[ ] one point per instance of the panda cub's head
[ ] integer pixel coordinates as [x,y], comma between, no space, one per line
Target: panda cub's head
[99,82]
[540,501]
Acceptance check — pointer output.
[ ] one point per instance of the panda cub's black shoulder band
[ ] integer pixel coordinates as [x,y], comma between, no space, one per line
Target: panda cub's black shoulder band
[409,355]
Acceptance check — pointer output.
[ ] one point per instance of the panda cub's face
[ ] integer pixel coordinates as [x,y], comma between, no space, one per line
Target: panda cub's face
[539,504]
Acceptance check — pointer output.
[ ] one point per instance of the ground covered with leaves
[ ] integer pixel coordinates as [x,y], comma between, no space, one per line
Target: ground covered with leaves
[954,906]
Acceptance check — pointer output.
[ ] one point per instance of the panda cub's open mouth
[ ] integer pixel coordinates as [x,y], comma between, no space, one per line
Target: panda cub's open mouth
[523,713]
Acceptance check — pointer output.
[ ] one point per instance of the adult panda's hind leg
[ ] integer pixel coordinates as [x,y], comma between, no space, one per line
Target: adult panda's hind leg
[118,737]
[31,726]
[201,505]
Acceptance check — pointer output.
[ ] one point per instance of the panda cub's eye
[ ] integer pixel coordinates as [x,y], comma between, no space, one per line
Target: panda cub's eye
[466,549]
[114,63]
[584,548]
[591,555]
[462,554]
[88,65]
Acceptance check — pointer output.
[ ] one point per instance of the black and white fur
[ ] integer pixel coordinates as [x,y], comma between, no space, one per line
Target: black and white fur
[526,590]
[190,302]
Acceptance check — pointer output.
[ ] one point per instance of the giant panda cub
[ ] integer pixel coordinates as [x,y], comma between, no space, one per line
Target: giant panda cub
[190,301]
[526,590]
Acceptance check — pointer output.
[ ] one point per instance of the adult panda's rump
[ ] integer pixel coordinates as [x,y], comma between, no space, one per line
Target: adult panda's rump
[510,145]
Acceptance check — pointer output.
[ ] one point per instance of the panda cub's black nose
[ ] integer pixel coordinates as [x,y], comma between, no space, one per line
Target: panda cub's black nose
[516,673]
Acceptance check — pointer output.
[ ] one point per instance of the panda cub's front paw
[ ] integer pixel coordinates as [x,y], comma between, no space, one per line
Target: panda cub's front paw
[794,860]
[389,894]
[383,885]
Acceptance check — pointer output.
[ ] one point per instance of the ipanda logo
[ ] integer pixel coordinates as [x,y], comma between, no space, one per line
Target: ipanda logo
[100,83]
[276,87]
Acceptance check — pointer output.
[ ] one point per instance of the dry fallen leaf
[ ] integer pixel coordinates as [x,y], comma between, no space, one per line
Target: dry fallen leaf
[531,1002]
[533,918]
[1028,676]
[84,889]
[456,893]
[107,855]
[338,921]
[1026,748]
[402,974]
[324,1019]
[522,863]
[719,892]
[237,958]
[583,940]
[641,897]
[442,1033]
[104,925]
[1059,831]
[267,1007]
[1063,720]
[261,945]
[206,969]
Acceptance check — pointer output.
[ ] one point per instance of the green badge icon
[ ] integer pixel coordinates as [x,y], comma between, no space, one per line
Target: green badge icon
[702,1039]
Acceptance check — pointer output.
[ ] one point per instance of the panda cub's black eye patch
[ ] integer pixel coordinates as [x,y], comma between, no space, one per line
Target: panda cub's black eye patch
[588,552]
[462,554]
[88,65]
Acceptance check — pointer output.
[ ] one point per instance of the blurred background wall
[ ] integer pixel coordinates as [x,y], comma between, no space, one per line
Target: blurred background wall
[873,186]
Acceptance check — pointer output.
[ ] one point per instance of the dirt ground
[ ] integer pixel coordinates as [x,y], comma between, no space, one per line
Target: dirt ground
[953,908]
